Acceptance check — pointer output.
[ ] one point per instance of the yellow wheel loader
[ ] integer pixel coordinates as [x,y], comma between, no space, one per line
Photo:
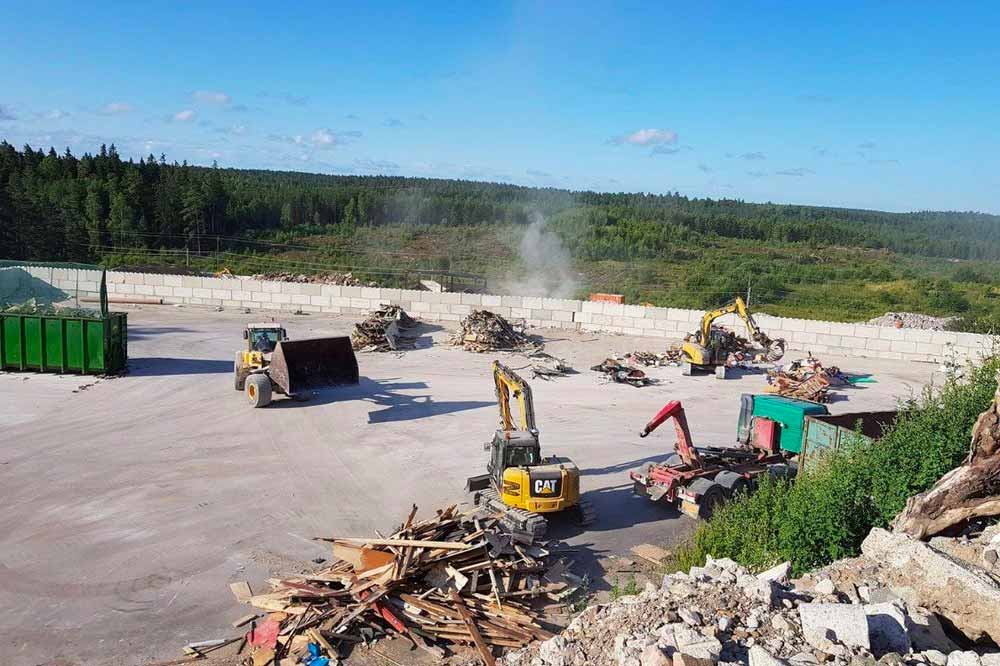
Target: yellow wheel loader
[520,485]
[708,347]
[271,363]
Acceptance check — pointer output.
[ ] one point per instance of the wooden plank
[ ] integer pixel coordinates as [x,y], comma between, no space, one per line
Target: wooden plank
[246,619]
[651,553]
[416,543]
[241,590]
[484,650]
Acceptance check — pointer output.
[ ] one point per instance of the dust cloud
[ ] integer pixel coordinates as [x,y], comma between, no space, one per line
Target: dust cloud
[548,267]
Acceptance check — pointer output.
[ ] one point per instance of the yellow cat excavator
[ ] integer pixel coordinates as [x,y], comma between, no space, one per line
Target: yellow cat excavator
[709,346]
[520,485]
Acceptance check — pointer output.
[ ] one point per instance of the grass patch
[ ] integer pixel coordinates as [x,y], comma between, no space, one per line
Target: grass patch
[827,512]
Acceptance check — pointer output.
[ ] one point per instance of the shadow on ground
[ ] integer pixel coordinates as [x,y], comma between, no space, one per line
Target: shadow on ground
[145,332]
[387,395]
[154,366]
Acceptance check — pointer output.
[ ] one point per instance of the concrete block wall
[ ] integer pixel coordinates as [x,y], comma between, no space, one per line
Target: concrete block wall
[664,324]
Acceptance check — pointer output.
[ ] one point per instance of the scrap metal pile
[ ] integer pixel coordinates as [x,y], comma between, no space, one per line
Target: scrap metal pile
[452,579]
[483,331]
[655,359]
[805,379]
[383,330]
[332,278]
[741,351]
[622,370]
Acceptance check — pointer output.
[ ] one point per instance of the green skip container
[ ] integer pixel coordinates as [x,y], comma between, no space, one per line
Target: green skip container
[68,342]
[64,344]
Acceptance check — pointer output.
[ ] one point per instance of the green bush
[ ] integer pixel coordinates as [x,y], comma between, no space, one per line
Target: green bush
[829,510]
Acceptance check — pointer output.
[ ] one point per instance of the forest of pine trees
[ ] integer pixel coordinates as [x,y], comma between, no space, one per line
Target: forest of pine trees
[62,207]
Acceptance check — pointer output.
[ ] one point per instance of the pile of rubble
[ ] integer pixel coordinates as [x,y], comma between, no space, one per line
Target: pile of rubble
[384,330]
[805,379]
[332,278]
[655,359]
[622,370]
[721,614]
[483,331]
[546,366]
[910,320]
[32,307]
[453,580]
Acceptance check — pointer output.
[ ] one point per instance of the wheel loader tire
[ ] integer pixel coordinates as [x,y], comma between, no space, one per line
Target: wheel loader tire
[733,483]
[239,376]
[258,390]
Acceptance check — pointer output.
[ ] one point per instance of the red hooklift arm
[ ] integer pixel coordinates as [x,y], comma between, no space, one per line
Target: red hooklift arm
[683,446]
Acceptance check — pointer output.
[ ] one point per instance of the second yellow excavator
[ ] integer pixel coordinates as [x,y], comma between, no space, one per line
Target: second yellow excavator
[520,485]
[709,347]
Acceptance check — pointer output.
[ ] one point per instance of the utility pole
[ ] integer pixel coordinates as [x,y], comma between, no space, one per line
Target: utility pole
[748,291]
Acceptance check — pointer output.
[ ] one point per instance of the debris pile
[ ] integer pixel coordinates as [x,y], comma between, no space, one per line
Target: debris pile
[453,579]
[546,366]
[911,320]
[721,614]
[622,371]
[483,331]
[331,278]
[805,379]
[32,307]
[384,330]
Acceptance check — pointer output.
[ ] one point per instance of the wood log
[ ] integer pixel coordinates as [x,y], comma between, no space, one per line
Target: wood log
[971,490]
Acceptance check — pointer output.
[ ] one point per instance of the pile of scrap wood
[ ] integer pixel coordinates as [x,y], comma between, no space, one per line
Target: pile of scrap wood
[805,379]
[484,331]
[453,579]
[621,371]
[383,330]
[332,278]
[655,359]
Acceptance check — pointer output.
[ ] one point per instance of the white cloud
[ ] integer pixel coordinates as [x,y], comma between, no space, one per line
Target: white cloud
[55,114]
[238,129]
[184,116]
[211,97]
[117,107]
[324,138]
[651,137]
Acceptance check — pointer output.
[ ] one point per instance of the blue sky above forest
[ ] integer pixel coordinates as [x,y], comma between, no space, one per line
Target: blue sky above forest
[893,106]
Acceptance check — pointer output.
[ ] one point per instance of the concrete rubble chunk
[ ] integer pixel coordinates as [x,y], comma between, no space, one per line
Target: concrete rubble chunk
[654,656]
[935,657]
[761,657]
[990,659]
[778,574]
[888,628]
[825,626]
[964,658]
[553,651]
[958,591]
[825,586]
[684,659]
[690,616]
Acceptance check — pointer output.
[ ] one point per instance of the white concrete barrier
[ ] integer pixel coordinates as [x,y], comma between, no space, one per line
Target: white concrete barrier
[819,337]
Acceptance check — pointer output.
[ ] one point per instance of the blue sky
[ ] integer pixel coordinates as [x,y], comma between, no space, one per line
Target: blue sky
[890,105]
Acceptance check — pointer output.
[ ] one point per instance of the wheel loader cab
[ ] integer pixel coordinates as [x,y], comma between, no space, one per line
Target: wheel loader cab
[263,338]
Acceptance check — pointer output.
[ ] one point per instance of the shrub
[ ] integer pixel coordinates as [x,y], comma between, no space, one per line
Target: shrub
[828,511]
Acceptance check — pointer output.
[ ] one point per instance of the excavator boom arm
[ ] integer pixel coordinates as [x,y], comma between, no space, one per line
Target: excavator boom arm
[740,308]
[510,384]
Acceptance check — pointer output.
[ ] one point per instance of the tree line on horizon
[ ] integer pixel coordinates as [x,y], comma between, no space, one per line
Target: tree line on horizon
[60,207]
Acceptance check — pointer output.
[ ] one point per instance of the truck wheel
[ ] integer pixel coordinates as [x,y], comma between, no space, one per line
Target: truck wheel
[258,390]
[710,500]
[733,483]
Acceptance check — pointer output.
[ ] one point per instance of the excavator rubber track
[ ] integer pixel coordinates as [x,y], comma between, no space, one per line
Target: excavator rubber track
[525,526]
[585,512]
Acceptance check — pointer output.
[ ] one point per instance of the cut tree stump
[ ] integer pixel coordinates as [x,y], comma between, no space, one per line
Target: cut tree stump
[971,490]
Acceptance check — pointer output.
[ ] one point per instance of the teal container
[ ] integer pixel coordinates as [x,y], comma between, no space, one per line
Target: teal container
[790,414]
[64,344]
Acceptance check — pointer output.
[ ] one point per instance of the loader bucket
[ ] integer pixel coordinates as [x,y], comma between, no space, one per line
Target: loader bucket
[301,365]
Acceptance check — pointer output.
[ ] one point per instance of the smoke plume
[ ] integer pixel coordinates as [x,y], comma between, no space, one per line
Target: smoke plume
[548,268]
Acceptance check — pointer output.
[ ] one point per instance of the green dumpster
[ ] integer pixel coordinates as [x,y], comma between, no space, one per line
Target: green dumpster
[48,339]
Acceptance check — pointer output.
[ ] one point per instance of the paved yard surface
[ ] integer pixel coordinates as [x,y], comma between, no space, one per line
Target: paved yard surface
[129,504]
